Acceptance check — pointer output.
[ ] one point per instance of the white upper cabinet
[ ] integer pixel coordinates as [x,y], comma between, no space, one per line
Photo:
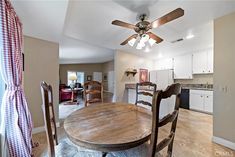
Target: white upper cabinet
[210,61]
[164,64]
[203,62]
[183,67]
[199,62]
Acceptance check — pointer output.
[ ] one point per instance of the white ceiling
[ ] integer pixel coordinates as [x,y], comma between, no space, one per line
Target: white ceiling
[83,27]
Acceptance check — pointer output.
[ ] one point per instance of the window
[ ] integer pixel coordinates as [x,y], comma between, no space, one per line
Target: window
[80,77]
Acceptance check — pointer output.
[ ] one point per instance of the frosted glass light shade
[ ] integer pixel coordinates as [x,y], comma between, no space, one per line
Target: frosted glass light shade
[144,38]
[152,41]
[140,45]
[132,41]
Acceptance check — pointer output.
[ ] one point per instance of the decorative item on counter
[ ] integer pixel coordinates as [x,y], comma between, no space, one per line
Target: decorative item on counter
[130,71]
[143,75]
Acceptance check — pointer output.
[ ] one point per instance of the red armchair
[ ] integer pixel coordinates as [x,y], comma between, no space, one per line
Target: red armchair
[65,94]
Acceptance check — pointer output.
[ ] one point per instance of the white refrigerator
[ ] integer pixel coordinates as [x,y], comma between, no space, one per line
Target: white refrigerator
[163,78]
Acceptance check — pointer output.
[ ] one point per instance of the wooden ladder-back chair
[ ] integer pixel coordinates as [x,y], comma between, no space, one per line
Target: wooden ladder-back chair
[155,147]
[65,148]
[146,89]
[49,117]
[93,92]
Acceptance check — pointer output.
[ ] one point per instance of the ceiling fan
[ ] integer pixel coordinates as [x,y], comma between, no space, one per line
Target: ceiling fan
[142,28]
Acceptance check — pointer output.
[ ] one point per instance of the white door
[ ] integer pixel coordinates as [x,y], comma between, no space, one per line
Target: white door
[200,62]
[131,96]
[208,106]
[210,61]
[163,79]
[153,76]
[97,76]
[111,81]
[196,102]
[183,67]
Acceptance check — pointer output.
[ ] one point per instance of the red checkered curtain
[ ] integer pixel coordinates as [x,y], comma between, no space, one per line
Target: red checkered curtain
[16,124]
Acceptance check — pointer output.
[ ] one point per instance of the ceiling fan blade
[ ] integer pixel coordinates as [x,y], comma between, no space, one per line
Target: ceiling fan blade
[131,37]
[167,18]
[123,24]
[155,37]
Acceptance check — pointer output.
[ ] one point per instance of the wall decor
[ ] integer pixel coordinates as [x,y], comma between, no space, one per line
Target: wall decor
[105,77]
[89,78]
[130,71]
[143,75]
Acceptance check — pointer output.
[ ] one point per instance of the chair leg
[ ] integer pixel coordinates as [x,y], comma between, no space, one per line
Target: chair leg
[104,154]
[170,148]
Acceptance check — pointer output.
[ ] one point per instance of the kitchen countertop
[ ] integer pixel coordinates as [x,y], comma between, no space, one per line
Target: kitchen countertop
[196,88]
[133,86]
[208,87]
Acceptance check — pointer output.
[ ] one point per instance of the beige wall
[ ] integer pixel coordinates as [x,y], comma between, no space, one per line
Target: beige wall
[41,63]
[87,68]
[106,67]
[123,61]
[198,79]
[224,77]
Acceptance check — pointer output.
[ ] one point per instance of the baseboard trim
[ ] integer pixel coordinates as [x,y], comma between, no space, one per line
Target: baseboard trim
[42,129]
[108,91]
[223,142]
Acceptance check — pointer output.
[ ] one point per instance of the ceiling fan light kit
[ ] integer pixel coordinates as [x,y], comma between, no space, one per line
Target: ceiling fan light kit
[142,29]
[132,42]
[151,41]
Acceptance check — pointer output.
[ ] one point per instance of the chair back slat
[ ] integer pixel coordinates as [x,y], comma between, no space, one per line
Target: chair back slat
[145,89]
[93,92]
[174,89]
[49,117]
[168,119]
[145,93]
[165,142]
[144,103]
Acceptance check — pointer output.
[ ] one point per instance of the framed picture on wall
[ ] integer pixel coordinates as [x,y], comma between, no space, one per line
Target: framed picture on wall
[105,77]
[143,75]
[89,78]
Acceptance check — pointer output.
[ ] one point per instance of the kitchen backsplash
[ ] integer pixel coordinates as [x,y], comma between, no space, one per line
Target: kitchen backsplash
[198,86]
[197,79]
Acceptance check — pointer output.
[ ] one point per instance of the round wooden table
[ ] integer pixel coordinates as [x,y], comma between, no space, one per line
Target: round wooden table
[109,126]
[73,100]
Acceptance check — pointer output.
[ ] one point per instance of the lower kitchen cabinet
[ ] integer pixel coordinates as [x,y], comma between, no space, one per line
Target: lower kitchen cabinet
[208,103]
[201,100]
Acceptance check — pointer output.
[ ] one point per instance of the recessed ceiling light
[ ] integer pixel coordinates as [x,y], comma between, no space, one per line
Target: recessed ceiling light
[190,36]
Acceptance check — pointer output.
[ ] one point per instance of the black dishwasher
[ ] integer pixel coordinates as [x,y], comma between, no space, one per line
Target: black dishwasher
[184,98]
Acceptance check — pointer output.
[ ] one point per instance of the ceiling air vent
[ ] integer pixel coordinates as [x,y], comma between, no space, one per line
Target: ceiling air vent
[177,40]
